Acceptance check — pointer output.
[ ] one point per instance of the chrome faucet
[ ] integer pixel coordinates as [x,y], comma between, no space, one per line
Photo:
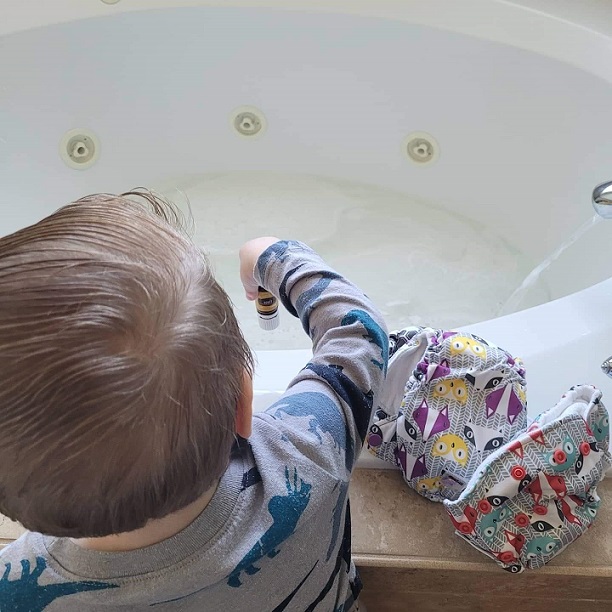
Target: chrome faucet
[602,200]
[606,366]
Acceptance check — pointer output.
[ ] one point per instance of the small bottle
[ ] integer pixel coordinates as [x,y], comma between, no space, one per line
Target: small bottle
[267,309]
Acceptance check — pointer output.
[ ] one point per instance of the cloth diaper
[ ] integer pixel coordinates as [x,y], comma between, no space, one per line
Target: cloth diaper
[537,493]
[450,399]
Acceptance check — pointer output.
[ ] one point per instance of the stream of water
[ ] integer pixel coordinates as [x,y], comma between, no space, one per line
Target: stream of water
[513,303]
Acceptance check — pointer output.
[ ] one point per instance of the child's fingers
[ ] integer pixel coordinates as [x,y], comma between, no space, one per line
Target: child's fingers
[248,282]
[248,255]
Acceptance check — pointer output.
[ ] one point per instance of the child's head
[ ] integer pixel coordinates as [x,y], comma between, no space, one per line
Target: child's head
[121,367]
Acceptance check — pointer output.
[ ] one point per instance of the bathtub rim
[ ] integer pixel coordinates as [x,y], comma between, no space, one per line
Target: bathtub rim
[563,342]
[575,35]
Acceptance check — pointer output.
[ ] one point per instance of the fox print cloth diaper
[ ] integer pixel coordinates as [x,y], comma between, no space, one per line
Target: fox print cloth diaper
[537,494]
[450,400]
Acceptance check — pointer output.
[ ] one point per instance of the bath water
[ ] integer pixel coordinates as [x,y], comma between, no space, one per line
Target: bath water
[420,264]
[517,298]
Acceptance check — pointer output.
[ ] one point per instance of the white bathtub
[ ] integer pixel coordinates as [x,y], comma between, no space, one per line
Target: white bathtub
[516,94]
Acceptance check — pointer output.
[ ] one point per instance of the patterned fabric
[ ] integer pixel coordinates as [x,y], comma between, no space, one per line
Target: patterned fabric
[537,494]
[277,533]
[464,398]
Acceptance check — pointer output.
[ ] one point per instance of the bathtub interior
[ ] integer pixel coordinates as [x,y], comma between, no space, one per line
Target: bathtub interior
[390,244]
[523,140]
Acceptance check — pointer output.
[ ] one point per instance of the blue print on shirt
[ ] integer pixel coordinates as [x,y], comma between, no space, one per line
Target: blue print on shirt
[374,333]
[285,603]
[325,417]
[286,511]
[359,402]
[308,300]
[250,478]
[282,290]
[337,517]
[279,251]
[26,595]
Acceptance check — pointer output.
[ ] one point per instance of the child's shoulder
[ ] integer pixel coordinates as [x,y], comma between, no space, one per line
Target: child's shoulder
[26,556]
[308,429]
[24,571]
[29,582]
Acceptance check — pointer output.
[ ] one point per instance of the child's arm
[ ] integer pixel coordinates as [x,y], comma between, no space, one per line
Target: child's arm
[336,389]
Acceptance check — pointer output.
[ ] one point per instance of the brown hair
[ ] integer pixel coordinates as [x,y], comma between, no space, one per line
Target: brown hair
[121,365]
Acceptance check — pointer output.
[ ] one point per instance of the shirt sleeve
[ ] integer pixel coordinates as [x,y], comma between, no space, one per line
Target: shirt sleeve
[330,400]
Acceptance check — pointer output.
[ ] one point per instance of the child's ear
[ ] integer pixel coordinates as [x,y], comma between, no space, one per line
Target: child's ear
[244,409]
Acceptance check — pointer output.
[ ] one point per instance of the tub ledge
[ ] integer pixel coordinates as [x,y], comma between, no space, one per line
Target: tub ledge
[409,558]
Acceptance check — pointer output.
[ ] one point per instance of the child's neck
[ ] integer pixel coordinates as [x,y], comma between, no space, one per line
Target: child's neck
[153,532]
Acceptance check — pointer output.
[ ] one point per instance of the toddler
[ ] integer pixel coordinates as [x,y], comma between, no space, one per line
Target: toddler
[128,447]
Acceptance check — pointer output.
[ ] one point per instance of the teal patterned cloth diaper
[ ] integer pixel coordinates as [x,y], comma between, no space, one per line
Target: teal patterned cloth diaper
[449,401]
[537,494]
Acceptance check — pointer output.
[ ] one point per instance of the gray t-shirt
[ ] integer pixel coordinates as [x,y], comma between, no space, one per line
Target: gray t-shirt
[277,533]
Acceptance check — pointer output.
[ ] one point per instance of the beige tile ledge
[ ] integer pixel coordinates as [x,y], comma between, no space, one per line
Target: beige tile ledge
[9,531]
[395,527]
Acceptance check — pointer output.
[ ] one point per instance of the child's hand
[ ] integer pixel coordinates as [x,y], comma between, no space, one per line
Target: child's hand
[249,254]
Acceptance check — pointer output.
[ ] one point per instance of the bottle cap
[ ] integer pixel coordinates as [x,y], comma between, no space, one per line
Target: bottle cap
[269,323]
